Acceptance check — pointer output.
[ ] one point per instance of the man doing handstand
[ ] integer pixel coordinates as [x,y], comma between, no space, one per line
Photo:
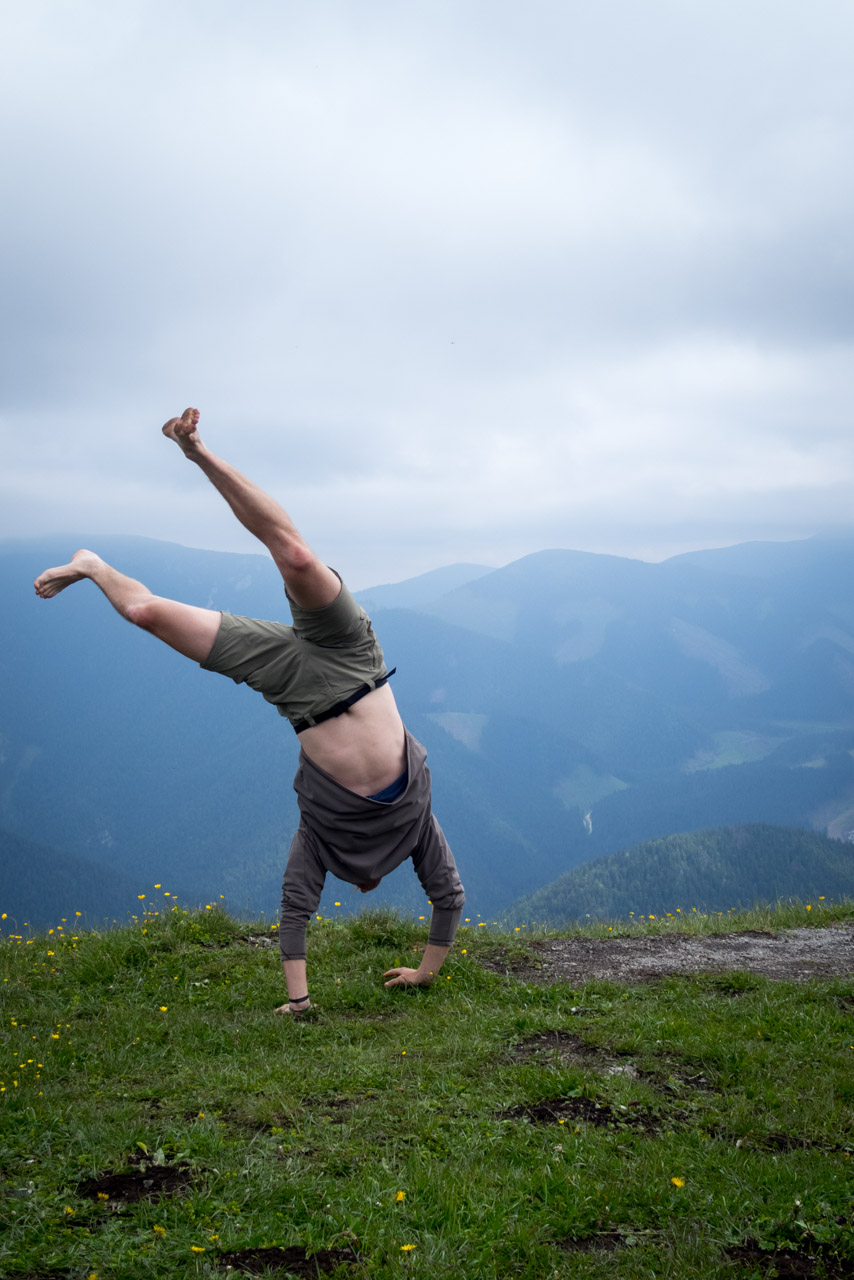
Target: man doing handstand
[362,783]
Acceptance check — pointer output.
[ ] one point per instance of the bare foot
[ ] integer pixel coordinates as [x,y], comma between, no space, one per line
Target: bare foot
[294,1013]
[184,430]
[52,581]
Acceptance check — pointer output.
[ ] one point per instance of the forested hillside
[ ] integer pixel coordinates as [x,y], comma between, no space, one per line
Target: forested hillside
[730,867]
[572,705]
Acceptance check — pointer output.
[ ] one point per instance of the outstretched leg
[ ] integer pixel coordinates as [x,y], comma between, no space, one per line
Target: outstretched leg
[184,627]
[308,580]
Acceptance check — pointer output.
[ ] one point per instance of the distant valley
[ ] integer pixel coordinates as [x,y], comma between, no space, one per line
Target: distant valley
[573,705]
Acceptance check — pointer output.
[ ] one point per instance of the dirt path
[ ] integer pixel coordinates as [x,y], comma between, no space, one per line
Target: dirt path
[794,954]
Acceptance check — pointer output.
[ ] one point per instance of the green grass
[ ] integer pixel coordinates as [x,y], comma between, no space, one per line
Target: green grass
[684,1119]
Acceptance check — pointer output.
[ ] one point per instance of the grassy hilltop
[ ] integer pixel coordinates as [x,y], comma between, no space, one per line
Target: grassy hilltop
[159,1121]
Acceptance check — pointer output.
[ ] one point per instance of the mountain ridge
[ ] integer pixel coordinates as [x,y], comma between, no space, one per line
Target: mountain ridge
[572,705]
[734,867]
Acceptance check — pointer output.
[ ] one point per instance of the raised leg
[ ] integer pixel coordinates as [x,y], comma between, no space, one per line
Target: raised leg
[308,580]
[184,627]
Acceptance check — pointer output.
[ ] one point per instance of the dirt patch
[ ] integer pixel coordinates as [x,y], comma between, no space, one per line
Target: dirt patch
[793,954]
[250,1124]
[790,1264]
[584,1110]
[569,1048]
[673,1083]
[148,1182]
[607,1241]
[293,1261]
[782,1142]
[332,1109]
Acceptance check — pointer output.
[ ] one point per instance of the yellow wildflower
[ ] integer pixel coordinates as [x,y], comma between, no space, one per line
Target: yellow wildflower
[197,1248]
[159,1231]
[678,1182]
[406,1248]
[401,1195]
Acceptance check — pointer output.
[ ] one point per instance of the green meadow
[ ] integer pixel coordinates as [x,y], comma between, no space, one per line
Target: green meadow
[159,1120]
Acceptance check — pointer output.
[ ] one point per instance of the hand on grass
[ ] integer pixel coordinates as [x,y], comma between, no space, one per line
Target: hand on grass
[408,978]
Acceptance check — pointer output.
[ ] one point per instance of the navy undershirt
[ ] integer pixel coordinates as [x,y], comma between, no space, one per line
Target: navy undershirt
[393,791]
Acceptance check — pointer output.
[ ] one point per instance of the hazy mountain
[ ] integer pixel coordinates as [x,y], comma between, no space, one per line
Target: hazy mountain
[414,593]
[572,705]
[707,870]
[41,887]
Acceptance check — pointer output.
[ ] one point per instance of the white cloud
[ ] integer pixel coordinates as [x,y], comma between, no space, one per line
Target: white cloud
[454,281]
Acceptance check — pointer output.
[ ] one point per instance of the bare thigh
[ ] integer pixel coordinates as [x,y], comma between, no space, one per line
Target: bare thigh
[184,627]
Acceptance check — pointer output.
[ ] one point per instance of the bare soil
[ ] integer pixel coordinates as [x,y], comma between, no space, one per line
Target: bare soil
[292,1261]
[599,1114]
[148,1182]
[789,1264]
[793,954]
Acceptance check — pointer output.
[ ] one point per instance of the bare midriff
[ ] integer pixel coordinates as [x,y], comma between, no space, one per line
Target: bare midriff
[365,748]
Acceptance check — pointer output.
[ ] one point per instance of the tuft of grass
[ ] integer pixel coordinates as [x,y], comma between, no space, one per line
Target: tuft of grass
[159,1120]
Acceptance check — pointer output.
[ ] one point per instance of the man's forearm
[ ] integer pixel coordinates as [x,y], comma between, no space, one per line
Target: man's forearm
[431,962]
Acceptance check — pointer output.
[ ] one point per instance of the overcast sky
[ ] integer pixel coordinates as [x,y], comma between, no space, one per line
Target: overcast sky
[454,279]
